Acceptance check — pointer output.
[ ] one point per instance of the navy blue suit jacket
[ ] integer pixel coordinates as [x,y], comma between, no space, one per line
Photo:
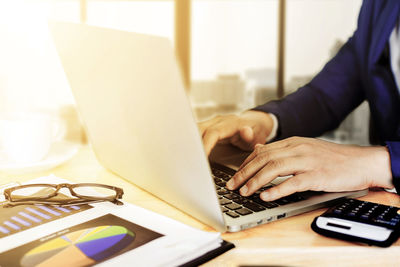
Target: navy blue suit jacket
[360,71]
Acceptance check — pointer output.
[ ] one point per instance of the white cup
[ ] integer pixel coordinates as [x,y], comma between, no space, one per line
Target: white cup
[27,137]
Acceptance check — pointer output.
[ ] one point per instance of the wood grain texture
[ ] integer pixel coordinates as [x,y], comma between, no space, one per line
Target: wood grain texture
[288,242]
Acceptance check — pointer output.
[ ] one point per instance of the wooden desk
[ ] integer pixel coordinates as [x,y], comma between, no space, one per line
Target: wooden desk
[287,242]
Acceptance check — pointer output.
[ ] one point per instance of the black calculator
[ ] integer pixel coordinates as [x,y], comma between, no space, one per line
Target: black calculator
[360,221]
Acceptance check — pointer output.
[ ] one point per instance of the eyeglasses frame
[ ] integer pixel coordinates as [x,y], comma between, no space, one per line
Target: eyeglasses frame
[81,199]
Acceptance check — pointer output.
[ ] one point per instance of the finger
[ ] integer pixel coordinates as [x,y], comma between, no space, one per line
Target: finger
[210,139]
[262,149]
[247,172]
[254,166]
[216,133]
[257,151]
[224,141]
[298,183]
[278,145]
[237,141]
[273,169]
[244,139]
[246,134]
[260,135]
[206,124]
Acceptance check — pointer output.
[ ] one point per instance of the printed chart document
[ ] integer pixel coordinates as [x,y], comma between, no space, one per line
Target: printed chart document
[102,233]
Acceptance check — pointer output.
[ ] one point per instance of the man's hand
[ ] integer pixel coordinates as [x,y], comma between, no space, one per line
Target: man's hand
[315,165]
[244,131]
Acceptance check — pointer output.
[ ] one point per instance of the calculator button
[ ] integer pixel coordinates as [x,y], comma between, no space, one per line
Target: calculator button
[351,214]
[337,211]
[365,217]
[387,223]
[395,221]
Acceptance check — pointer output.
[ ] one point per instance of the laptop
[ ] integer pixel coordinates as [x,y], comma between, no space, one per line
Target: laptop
[130,95]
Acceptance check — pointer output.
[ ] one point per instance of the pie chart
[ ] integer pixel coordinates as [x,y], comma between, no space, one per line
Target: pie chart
[80,248]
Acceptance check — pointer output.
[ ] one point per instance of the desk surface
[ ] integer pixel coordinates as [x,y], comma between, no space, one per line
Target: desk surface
[288,242]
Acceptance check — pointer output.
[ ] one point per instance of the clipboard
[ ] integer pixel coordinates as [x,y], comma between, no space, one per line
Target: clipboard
[224,247]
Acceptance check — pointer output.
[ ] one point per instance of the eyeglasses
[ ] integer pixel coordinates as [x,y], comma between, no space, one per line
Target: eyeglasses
[83,193]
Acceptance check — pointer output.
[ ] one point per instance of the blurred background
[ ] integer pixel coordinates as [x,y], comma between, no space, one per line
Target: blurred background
[234,54]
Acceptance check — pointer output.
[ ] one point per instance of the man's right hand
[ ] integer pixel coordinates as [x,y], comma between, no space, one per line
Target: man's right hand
[244,131]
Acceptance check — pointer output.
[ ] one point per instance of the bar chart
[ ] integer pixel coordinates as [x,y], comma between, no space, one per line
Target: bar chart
[20,218]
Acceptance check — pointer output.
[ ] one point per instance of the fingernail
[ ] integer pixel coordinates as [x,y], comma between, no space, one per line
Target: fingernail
[229,184]
[264,196]
[243,190]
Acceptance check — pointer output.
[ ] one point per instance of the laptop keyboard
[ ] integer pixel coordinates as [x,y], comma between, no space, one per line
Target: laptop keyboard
[235,205]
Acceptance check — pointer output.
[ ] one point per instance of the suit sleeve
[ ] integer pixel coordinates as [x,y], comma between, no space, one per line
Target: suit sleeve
[394,150]
[323,103]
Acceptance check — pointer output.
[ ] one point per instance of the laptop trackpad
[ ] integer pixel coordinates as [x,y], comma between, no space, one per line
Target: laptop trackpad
[228,155]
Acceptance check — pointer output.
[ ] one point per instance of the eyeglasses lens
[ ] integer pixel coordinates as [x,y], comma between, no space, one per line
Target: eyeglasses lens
[95,191]
[32,191]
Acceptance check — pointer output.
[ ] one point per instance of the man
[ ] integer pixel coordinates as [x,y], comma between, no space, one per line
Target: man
[366,68]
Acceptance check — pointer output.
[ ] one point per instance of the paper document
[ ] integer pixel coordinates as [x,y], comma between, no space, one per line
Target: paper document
[100,233]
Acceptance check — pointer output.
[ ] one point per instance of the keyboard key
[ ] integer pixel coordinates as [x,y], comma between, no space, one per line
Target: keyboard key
[295,198]
[240,200]
[270,205]
[227,178]
[221,174]
[224,209]
[231,196]
[266,204]
[223,191]
[224,201]
[220,183]
[254,206]
[233,200]
[243,211]
[233,206]
[232,214]
[282,201]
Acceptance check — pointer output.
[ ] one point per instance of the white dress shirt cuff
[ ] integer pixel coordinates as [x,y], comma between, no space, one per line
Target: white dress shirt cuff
[274,130]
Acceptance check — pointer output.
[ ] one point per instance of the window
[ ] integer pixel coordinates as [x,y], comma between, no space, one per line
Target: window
[31,77]
[228,48]
[149,17]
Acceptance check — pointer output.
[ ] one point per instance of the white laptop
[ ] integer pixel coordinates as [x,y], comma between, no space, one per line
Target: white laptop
[130,94]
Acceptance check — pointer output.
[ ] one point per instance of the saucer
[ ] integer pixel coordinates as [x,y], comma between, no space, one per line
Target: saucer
[59,153]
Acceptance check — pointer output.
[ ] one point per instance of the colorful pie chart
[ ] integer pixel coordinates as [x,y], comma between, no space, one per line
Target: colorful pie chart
[80,248]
